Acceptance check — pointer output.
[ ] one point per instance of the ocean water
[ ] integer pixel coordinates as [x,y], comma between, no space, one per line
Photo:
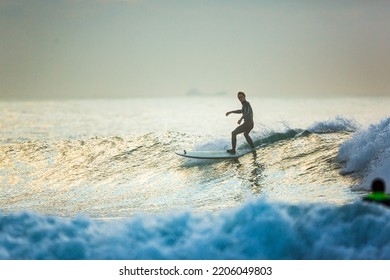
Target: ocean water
[99,179]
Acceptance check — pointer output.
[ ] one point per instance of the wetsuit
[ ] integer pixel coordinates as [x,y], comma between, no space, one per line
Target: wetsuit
[378,197]
[246,127]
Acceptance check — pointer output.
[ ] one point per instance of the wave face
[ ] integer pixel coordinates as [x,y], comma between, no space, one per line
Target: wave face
[257,230]
[115,177]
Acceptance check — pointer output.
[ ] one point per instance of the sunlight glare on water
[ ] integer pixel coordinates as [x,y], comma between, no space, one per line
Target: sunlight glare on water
[115,158]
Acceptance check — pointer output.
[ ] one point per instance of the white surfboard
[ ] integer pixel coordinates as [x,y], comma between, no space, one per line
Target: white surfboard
[213,154]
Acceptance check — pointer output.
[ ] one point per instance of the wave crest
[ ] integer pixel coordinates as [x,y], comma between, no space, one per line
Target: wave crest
[367,154]
[339,124]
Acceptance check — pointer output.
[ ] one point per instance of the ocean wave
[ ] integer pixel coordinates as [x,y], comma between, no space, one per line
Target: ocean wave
[257,230]
[260,139]
[367,154]
[107,177]
[338,124]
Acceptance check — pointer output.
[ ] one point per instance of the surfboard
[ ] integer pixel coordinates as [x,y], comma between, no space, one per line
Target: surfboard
[213,154]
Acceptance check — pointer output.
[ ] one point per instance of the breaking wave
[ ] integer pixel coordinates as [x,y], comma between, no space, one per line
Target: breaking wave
[257,230]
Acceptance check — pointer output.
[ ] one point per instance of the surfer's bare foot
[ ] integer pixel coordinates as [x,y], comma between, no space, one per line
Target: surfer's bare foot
[233,152]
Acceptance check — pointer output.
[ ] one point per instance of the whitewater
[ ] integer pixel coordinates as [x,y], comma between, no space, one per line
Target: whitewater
[99,179]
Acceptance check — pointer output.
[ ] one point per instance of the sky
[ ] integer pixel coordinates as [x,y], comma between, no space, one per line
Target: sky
[125,48]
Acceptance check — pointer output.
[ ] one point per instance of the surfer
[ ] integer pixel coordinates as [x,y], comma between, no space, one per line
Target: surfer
[246,127]
[378,193]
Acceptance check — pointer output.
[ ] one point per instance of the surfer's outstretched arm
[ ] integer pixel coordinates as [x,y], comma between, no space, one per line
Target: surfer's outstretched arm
[234,112]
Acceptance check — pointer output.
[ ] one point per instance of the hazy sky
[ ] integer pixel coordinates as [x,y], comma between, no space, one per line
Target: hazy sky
[120,48]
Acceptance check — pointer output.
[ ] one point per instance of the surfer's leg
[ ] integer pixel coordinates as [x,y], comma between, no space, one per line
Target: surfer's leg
[234,143]
[235,132]
[247,137]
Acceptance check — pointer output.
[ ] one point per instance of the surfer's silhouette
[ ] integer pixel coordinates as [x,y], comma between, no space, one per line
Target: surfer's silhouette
[246,127]
[378,193]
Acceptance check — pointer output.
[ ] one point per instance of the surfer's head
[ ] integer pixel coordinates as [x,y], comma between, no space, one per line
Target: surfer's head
[241,96]
[378,185]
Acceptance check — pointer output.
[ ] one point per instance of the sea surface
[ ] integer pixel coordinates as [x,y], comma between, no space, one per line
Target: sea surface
[99,179]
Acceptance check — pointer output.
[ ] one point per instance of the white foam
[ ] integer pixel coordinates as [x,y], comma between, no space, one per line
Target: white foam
[257,230]
[368,153]
[338,124]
